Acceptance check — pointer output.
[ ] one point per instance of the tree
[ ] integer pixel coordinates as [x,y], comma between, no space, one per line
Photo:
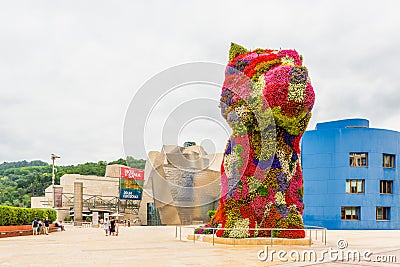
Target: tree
[21,180]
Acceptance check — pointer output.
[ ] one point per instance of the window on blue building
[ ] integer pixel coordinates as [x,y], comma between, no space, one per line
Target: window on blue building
[358,159]
[350,213]
[388,161]
[386,187]
[355,186]
[382,213]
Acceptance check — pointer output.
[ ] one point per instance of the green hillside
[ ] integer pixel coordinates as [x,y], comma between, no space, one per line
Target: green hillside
[21,180]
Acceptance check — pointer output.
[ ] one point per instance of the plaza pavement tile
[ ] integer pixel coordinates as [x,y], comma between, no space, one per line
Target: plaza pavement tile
[159,246]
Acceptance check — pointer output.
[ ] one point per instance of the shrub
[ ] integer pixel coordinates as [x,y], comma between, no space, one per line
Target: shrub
[21,216]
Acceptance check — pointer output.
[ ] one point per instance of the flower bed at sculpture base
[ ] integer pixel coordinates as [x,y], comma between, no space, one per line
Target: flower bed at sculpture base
[246,232]
[250,241]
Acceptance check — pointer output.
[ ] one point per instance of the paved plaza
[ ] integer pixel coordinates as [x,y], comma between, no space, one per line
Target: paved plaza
[158,246]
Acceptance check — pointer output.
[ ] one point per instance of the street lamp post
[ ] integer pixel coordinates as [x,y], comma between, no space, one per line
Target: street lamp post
[53,158]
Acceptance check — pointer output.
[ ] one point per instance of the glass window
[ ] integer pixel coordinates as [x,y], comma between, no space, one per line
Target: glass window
[354,186]
[386,187]
[358,159]
[382,213]
[388,161]
[350,213]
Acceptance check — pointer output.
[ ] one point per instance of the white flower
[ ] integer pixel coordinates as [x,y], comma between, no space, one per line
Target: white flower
[280,199]
[258,86]
[296,92]
[293,208]
[240,229]
[285,160]
[288,61]
[253,184]
[230,163]
[267,209]
[241,111]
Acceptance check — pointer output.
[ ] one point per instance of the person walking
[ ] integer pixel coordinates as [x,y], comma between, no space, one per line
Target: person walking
[35,226]
[106,226]
[116,227]
[46,225]
[112,228]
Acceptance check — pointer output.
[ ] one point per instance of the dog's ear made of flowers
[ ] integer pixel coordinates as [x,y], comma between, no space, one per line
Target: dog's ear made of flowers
[236,50]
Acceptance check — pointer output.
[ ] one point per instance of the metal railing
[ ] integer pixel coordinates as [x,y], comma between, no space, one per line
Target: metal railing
[86,224]
[110,203]
[309,231]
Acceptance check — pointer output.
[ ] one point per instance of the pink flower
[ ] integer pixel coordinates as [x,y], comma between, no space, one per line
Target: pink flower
[309,96]
[277,85]
[290,53]
[258,205]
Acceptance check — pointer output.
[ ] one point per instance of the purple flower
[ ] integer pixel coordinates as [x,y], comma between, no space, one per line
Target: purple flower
[241,64]
[231,70]
[255,161]
[283,210]
[282,182]
[264,164]
[276,164]
[233,117]
[298,75]
[288,138]
[229,148]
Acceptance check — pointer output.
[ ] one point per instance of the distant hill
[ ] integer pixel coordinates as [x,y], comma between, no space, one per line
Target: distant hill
[19,164]
[21,180]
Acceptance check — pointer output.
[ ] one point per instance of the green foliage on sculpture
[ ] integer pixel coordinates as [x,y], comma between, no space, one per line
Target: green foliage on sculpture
[236,50]
[211,213]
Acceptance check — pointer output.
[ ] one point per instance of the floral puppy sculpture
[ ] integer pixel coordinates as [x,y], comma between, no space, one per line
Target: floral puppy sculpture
[266,99]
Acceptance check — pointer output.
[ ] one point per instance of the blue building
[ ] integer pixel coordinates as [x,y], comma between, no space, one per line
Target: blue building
[351,176]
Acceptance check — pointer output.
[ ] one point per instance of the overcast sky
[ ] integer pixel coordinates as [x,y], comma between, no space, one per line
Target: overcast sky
[69,69]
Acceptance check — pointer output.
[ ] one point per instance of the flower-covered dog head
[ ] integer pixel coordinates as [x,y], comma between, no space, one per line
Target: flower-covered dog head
[275,77]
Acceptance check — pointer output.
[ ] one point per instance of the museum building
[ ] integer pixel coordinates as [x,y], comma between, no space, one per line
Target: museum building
[351,177]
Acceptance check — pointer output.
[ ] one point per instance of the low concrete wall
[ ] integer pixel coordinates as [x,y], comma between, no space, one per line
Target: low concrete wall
[20,230]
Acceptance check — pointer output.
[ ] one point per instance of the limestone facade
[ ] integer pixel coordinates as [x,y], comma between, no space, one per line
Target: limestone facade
[100,194]
[183,183]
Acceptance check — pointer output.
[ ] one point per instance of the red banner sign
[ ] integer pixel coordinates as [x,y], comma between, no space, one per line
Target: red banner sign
[132,173]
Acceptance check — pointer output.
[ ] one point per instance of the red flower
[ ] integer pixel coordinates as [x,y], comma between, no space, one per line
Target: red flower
[293,233]
[291,108]
[296,144]
[250,69]
[219,233]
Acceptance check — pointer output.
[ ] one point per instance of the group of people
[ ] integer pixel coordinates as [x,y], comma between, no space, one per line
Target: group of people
[111,226]
[42,227]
